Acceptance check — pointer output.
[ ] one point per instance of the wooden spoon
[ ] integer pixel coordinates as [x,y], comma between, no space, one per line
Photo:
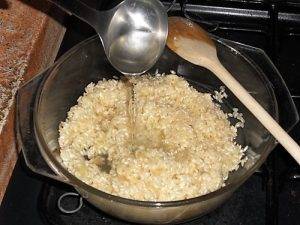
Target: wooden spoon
[193,44]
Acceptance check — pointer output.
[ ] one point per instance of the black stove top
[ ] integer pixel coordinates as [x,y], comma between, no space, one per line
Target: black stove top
[270,196]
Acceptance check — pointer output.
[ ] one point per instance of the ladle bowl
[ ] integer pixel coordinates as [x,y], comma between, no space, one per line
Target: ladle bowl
[133,33]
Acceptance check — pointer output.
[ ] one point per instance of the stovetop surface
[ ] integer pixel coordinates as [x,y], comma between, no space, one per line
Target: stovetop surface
[271,196]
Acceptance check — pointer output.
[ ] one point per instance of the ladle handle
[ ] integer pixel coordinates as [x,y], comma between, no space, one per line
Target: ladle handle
[256,109]
[79,9]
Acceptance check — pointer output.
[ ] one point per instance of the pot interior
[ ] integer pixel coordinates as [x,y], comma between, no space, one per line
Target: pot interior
[87,63]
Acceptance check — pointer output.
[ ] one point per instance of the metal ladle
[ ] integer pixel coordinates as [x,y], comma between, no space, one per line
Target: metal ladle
[133,33]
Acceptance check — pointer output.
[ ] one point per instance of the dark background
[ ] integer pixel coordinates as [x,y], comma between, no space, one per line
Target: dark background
[271,196]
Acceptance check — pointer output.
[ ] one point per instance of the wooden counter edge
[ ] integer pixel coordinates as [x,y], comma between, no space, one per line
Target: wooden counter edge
[42,56]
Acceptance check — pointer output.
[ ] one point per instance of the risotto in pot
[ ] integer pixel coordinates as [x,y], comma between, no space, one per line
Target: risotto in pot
[150,138]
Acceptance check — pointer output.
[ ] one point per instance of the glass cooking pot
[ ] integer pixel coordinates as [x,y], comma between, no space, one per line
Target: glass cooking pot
[44,102]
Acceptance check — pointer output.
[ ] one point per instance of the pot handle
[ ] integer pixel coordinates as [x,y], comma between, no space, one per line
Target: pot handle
[24,129]
[288,113]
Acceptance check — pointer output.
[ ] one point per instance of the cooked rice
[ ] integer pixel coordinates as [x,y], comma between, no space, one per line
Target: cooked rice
[220,95]
[154,138]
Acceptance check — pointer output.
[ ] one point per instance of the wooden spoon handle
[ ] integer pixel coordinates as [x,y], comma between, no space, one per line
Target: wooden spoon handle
[256,109]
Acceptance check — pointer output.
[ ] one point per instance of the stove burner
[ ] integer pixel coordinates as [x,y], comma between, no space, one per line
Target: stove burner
[63,197]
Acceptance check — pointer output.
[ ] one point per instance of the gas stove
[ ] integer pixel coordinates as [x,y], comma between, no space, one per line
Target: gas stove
[271,196]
